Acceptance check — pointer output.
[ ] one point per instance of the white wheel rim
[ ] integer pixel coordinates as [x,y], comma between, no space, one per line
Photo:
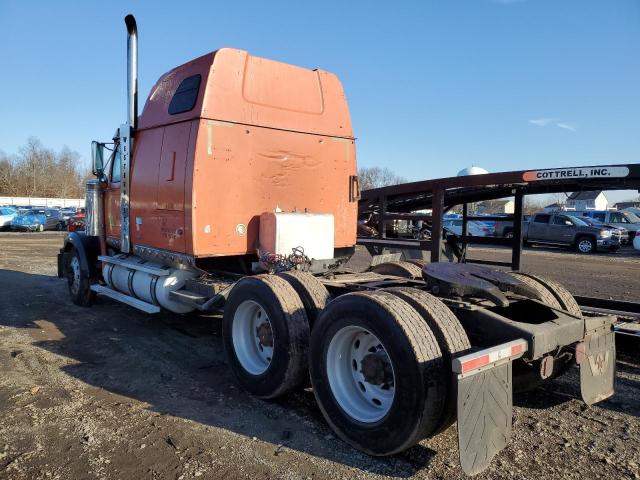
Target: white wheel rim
[75,271]
[584,246]
[250,331]
[362,399]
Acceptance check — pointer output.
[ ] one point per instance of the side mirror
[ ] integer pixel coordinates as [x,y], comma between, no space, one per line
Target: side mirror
[97,157]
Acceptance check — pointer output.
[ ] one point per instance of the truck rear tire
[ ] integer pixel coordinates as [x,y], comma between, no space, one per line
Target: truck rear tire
[78,282]
[399,269]
[551,293]
[311,291]
[544,294]
[450,334]
[377,372]
[265,332]
[417,262]
[527,376]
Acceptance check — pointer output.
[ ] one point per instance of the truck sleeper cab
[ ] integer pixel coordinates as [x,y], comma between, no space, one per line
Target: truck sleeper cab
[241,165]
[225,138]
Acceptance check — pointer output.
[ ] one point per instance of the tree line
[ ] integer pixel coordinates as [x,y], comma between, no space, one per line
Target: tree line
[38,171]
[375,177]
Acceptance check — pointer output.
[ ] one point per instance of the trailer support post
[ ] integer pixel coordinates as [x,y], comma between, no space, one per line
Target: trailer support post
[465,229]
[516,252]
[383,217]
[437,209]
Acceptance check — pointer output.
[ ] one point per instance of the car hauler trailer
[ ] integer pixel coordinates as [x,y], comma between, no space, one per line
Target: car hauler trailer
[236,191]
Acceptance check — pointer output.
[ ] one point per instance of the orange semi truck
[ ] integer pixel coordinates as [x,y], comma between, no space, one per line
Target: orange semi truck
[235,190]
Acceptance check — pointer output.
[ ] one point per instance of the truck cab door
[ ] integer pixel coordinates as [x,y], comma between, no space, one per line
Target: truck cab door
[561,229]
[112,197]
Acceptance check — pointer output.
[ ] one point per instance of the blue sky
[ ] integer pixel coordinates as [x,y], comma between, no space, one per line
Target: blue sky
[433,86]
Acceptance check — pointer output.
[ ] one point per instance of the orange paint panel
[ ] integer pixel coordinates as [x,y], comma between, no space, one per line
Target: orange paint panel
[292,88]
[150,225]
[173,161]
[242,172]
[255,91]
[156,108]
[242,88]
[262,135]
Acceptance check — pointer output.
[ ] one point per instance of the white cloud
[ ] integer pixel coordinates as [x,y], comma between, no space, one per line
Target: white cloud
[542,122]
[545,122]
[567,126]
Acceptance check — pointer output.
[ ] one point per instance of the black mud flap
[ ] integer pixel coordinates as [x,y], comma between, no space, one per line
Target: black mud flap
[596,355]
[485,404]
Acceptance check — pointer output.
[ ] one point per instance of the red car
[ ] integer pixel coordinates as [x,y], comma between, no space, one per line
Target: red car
[76,222]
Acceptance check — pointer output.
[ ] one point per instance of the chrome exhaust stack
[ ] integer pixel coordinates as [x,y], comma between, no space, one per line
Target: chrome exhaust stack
[127,131]
[132,71]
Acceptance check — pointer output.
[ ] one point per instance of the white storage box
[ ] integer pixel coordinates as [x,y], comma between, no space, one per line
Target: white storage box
[281,232]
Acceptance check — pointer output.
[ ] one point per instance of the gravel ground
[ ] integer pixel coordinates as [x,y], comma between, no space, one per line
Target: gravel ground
[109,392]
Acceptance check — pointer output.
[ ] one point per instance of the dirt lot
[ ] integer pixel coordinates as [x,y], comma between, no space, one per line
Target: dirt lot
[111,393]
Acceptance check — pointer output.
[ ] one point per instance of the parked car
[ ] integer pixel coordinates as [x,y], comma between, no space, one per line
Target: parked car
[474,228]
[636,242]
[7,214]
[67,213]
[621,232]
[634,210]
[77,222]
[38,219]
[504,228]
[628,220]
[570,231]
[22,208]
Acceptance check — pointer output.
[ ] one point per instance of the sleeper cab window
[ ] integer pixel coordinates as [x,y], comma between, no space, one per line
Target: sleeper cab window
[186,95]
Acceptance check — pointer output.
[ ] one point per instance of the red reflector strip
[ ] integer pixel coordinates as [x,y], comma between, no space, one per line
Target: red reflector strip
[475,363]
[488,356]
[517,349]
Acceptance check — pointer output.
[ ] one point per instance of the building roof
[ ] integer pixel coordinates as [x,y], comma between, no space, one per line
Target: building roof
[555,205]
[591,195]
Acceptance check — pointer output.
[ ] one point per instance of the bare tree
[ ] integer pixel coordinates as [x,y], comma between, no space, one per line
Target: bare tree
[532,206]
[37,171]
[374,177]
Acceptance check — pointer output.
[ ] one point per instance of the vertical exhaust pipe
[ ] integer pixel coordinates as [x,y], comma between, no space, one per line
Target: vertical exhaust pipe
[128,130]
[132,71]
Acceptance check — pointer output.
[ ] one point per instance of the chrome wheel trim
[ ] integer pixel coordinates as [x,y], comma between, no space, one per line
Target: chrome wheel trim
[585,246]
[358,398]
[254,354]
